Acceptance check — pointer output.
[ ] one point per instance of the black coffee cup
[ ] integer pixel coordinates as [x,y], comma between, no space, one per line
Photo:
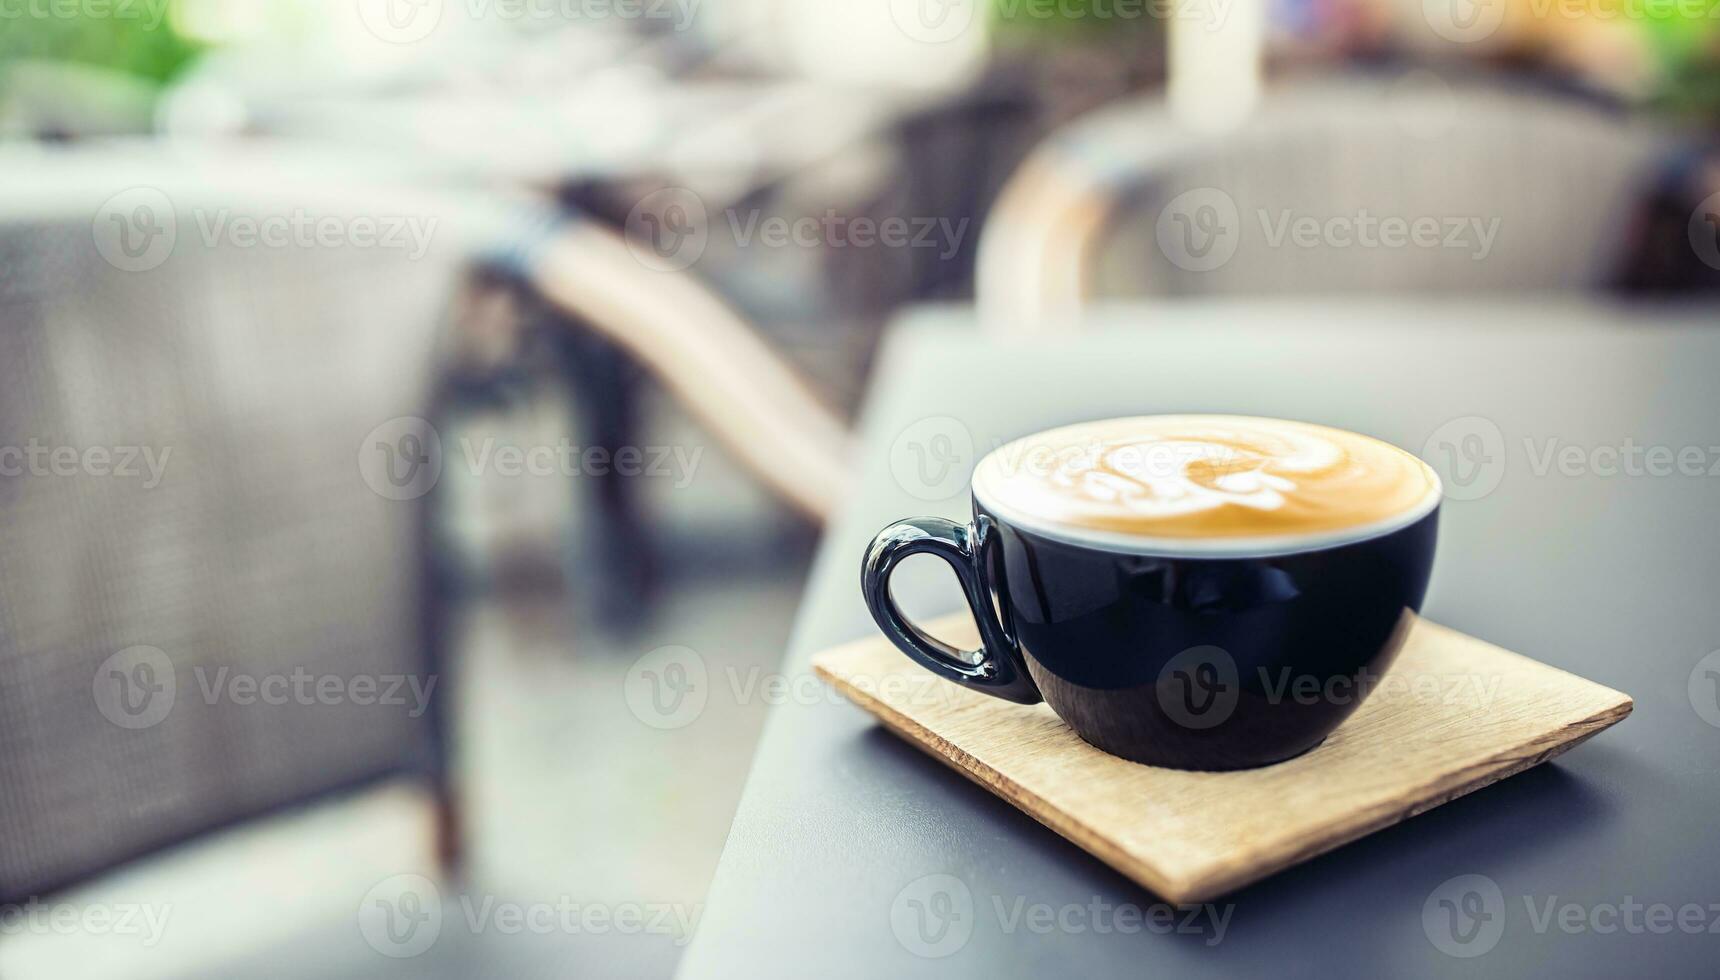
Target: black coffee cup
[1189,657]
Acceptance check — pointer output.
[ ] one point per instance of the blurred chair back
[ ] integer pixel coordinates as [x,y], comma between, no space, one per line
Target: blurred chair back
[193,355]
[1436,188]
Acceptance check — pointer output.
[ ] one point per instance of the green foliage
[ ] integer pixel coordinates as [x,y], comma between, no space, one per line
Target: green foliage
[1693,88]
[137,39]
[1077,19]
[1687,45]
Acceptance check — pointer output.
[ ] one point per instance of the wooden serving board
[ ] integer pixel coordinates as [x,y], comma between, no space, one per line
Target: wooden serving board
[1451,716]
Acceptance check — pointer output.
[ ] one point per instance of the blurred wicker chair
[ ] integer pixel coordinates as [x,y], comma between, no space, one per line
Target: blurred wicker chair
[141,307]
[223,527]
[1101,209]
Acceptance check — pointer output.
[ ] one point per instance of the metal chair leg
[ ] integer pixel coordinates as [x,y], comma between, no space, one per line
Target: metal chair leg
[613,561]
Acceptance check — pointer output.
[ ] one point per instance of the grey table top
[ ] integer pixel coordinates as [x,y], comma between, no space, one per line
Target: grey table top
[1583,543]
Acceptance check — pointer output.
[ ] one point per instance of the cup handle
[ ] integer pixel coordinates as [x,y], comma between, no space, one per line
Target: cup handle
[995,668]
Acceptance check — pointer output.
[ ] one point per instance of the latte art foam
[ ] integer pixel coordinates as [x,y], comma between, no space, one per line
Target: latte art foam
[1205,476]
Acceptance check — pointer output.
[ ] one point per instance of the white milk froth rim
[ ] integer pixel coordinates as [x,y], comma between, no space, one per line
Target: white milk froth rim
[1261,546]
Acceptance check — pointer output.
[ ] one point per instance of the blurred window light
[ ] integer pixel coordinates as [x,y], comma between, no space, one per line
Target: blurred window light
[1216,65]
[935,45]
[230,21]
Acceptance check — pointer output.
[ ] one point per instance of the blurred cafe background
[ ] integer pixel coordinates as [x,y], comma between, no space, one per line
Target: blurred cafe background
[394,392]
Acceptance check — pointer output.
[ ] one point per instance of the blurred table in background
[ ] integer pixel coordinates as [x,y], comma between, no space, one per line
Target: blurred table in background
[684,165]
[1560,554]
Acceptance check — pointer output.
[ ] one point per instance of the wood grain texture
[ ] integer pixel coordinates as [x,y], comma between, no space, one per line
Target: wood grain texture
[1452,715]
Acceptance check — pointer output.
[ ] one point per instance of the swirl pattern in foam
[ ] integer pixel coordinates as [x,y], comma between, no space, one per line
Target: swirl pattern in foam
[1205,477]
